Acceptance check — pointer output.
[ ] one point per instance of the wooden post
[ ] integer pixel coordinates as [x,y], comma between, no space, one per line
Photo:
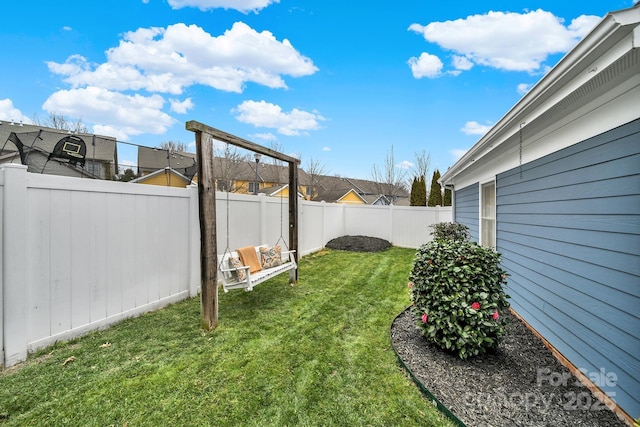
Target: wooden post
[207,205]
[293,217]
[208,237]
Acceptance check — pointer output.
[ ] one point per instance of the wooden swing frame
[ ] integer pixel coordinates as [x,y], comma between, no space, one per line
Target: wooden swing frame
[204,136]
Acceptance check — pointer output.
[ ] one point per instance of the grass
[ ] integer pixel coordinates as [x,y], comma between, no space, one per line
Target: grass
[317,354]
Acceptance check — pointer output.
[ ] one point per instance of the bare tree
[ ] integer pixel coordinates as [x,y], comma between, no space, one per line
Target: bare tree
[228,163]
[423,162]
[273,170]
[421,169]
[173,146]
[391,179]
[58,121]
[314,169]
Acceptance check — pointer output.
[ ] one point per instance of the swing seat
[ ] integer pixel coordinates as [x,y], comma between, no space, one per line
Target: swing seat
[232,277]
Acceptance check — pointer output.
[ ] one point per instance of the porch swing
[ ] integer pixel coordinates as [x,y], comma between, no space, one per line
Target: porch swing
[249,266]
[209,271]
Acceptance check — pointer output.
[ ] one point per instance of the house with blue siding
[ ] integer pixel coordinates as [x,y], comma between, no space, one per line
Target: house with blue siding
[554,186]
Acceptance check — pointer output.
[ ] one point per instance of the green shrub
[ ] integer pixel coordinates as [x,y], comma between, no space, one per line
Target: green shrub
[449,231]
[458,300]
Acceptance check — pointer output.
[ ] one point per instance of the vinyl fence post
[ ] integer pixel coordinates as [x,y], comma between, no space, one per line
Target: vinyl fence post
[14,271]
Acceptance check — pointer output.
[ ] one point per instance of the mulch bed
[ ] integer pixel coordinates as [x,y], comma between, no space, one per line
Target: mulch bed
[358,244]
[520,384]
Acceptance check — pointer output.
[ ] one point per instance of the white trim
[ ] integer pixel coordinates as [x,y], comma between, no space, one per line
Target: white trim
[481,188]
[595,87]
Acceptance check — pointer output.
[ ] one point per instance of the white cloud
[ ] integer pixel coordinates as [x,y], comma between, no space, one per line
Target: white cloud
[172,58]
[120,115]
[524,88]
[264,114]
[112,131]
[581,26]
[10,113]
[127,164]
[475,128]
[426,65]
[169,60]
[457,153]
[181,107]
[326,148]
[507,41]
[462,63]
[243,6]
[405,164]
[268,136]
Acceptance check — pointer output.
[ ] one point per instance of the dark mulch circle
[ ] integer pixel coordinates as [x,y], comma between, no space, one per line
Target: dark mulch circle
[520,384]
[358,244]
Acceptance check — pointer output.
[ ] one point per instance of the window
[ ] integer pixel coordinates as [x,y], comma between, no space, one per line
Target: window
[488,215]
[94,168]
[254,187]
[223,185]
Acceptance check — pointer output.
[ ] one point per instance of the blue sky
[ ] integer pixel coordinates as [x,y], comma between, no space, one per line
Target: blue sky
[336,82]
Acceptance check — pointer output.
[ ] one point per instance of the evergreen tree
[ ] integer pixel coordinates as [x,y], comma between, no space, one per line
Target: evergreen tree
[413,197]
[435,195]
[446,201]
[128,175]
[418,192]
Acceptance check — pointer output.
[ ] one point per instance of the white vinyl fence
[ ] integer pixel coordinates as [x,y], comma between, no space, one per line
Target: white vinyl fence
[80,254]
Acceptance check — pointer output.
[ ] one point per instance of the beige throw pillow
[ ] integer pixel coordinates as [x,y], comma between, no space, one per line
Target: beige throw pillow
[234,262]
[271,257]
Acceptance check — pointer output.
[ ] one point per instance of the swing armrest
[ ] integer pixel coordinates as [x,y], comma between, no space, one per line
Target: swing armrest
[291,255]
[226,270]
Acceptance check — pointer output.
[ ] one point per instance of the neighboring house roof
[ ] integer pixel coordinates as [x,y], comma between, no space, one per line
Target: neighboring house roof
[335,188]
[152,159]
[277,191]
[330,196]
[351,197]
[608,54]
[402,201]
[39,142]
[327,188]
[165,177]
[245,171]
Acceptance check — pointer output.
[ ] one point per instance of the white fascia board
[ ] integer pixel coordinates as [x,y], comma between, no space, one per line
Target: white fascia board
[605,44]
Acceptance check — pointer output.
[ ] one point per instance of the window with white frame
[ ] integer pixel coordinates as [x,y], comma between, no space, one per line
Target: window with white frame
[488,215]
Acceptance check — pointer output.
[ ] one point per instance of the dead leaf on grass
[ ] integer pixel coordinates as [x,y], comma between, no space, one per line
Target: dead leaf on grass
[69,360]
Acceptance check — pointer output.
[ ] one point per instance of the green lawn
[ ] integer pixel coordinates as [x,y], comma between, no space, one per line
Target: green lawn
[317,354]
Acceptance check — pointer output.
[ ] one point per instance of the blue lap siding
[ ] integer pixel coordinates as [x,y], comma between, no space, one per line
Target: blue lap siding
[467,209]
[568,229]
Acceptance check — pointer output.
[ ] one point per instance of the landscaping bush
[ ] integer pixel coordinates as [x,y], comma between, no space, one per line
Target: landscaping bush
[456,289]
[449,231]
